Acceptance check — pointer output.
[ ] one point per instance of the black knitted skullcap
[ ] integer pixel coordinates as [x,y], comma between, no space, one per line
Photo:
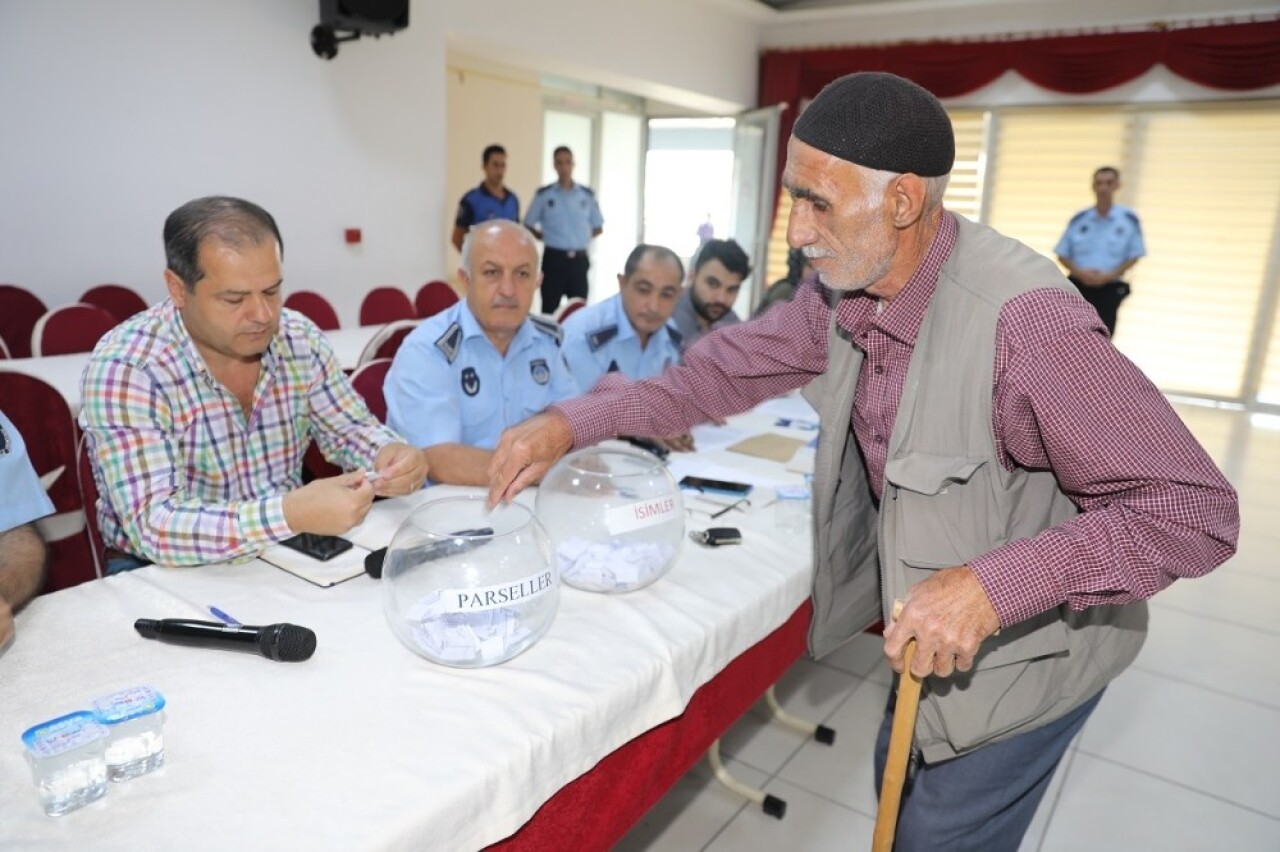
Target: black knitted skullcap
[880,121]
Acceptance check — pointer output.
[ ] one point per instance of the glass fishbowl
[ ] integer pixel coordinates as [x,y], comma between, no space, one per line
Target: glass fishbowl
[615,518]
[468,587]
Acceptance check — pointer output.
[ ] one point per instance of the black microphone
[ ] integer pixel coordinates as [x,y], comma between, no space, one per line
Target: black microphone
[286,643]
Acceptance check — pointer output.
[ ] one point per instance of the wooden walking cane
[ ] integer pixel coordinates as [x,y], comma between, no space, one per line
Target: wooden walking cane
[900,736]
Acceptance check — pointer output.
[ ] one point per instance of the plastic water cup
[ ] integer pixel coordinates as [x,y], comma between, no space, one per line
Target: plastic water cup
[67,761]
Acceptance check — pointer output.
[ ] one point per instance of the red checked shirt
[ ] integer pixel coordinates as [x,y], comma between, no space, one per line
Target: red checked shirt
[1154,506]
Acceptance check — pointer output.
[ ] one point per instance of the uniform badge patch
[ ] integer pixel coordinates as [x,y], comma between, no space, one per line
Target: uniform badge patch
[540,371]
[470,381]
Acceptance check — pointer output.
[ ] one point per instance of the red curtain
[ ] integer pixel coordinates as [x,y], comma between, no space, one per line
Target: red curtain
[1235,57]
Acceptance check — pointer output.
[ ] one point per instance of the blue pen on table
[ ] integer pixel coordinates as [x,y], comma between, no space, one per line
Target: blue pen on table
[223,617]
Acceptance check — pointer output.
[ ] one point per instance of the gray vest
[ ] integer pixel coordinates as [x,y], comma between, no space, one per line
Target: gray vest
[947,500]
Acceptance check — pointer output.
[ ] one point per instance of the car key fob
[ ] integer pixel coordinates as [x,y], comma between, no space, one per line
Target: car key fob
[716,536]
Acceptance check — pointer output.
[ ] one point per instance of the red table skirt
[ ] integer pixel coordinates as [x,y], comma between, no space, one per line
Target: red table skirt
[595,810]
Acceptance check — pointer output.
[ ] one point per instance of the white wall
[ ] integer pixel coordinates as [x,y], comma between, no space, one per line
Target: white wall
[698,55]
[116,113]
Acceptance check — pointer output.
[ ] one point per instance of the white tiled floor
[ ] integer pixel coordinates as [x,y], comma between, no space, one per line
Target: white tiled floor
[1183,753]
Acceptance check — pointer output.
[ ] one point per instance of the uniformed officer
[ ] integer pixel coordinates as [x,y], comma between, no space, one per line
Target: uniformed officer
[565,216]
[22,550]
[490,200]
[468,372]
[628,332]
[1100,244]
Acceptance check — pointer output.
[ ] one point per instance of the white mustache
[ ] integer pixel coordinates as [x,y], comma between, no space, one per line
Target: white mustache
[812,253]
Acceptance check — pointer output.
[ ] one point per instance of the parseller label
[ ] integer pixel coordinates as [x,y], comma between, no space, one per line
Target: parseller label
[512,593]
[635,516]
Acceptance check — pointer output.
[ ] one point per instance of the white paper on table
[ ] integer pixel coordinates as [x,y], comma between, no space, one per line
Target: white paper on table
[803,460]
[711,437]
[792,405]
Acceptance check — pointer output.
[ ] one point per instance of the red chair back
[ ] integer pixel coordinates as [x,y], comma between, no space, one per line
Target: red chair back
[386,341]
[434,297]
[70,328]
[115,299]
[569,307]
[385,304]
[368,380]
[20,309]
[315,308]
[41,414]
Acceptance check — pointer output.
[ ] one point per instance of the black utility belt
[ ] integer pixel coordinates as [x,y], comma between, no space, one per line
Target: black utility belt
[569,253]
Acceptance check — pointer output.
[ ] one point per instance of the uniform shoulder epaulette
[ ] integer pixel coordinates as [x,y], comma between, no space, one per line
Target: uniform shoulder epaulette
[589,190]
[1133,217]
[1078,216]
[549,327]
[676,337]
[450,342]
[543,189]
[601,336]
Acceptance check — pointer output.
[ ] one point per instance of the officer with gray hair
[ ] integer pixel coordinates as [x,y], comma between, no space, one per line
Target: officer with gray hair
[1021,505]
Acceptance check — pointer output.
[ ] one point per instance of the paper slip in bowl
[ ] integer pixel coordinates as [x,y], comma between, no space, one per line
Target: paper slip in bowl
[337,570]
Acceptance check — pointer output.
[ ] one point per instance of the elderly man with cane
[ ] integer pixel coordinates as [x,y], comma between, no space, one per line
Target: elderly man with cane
[1022,508]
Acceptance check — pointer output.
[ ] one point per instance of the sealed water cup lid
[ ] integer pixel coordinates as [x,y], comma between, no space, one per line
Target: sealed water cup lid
[61,735]
[127,704]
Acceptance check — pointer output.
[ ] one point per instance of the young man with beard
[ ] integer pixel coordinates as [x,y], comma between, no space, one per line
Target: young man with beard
[715,278]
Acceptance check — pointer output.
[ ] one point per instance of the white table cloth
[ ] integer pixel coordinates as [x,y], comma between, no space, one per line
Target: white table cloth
[366,745]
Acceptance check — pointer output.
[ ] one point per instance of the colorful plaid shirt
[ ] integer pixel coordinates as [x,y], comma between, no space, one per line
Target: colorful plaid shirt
[184,477]
[1154,506]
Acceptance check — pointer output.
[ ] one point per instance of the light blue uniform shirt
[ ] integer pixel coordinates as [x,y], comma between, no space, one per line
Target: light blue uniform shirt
[24,499]
[1102,242]
[566,218]
[600,339]
[448,384]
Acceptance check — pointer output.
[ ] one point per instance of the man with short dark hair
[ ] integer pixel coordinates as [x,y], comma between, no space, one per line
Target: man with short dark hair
[566,217]
[986,456]
[490,200]
[22,550]
[198,411]
[628,333]
[1100,245]
[715,277]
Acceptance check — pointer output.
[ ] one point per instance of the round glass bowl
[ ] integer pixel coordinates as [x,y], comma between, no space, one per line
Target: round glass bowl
[615,517]
[464,586]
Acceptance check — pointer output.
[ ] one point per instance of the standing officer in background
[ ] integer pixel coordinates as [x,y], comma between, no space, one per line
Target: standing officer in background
[470,371]
[1100,245]
[985,455]
[490,200]
[719,268]
[628,332]
[22,550]
[566,217]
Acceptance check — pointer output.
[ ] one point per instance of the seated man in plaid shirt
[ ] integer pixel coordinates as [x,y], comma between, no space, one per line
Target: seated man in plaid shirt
[199,410]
